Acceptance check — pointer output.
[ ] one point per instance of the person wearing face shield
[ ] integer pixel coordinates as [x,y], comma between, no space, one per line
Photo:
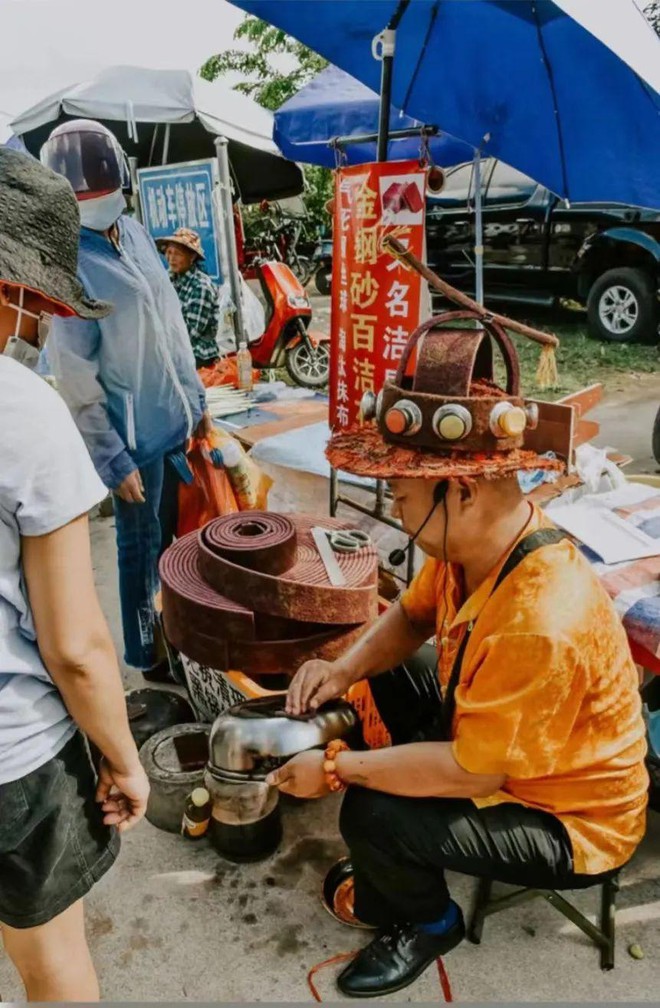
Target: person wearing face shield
[129,379]
[59,676]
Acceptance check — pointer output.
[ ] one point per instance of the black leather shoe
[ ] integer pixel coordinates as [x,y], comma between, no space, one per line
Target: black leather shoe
[395,959]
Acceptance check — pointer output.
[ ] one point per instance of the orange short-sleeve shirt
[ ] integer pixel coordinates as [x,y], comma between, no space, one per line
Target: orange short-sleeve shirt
[548,694]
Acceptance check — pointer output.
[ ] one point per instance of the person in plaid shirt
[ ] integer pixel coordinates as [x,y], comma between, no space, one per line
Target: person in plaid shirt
[197,293]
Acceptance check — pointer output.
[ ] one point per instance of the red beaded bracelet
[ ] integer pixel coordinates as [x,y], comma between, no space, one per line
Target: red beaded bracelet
[334,781]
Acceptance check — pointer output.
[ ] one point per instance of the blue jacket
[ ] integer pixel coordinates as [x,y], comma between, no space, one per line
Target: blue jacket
[129,379]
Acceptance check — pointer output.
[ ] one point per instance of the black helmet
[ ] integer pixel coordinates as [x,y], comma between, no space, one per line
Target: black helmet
[89,156]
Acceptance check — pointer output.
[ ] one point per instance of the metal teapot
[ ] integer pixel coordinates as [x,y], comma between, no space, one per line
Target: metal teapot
[246,742]
[250,737]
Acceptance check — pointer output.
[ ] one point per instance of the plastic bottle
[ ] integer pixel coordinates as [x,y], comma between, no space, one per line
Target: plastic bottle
[238,470]
[244,367]
[197,814]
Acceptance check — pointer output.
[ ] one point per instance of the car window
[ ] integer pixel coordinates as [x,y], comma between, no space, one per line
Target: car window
[508,186]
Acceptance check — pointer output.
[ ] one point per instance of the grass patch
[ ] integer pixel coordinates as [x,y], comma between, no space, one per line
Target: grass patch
[581,360]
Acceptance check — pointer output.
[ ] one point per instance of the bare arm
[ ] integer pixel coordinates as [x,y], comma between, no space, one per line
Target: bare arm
[418,770]
[76,648]
[390,640]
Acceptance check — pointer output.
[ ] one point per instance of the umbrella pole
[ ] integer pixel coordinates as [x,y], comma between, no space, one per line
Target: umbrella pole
[478,231]
[228,236]
[382,48]
[166,144]
[388,41]
[135,186]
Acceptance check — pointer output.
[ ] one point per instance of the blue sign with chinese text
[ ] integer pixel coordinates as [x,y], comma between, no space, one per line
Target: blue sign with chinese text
[181,195]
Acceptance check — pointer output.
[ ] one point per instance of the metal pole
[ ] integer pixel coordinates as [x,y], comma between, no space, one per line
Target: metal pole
[387,41]
[135,186]
[382,48]
[417,131]
[229,236]
[478,231]
[166,143]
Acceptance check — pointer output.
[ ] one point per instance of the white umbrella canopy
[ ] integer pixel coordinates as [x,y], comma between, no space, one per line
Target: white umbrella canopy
[167,116]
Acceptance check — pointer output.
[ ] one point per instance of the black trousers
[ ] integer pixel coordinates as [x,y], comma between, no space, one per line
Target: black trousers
[401,847]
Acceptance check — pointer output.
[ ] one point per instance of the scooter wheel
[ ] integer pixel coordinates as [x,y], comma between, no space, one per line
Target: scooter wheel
[323,280]
[309,366]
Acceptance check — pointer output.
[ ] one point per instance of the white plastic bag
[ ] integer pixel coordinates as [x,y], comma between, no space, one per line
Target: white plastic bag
[597,472]
[225,336]
[254,317]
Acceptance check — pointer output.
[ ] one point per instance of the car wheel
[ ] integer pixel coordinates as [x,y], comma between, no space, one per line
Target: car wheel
[656,438]
[622,306]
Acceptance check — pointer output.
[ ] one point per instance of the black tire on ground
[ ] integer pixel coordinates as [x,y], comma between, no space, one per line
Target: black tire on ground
[309,366]
[323,280]
[656,437]
[622,306]
[170,785]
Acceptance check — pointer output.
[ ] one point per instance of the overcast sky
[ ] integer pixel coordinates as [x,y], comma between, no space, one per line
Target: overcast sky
[48,44]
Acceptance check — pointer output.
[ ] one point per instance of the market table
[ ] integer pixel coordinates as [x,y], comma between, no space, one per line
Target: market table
[634,587]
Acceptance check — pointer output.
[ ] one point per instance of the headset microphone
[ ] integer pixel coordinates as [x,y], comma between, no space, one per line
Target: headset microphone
[397,556]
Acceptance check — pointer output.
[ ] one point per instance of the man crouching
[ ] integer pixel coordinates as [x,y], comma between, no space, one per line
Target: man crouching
[529,767]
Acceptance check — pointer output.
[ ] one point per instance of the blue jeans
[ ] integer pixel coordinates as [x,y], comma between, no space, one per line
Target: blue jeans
[143,532]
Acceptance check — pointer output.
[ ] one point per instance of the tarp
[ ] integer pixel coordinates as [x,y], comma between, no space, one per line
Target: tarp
[567,92]
[334,104]
[138,103]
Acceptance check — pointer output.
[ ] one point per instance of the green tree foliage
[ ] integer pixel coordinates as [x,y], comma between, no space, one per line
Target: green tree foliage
[269,47]
[274,68]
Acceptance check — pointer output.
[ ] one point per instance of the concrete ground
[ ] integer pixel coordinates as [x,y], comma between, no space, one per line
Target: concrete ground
[173,921]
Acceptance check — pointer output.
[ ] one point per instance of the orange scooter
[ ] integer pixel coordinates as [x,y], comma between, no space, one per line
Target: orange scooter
[288,340]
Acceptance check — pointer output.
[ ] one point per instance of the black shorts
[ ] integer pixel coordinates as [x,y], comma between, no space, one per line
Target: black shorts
[53,844]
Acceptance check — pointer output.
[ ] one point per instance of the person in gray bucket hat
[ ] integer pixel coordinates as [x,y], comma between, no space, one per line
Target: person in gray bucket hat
[59,676]
[39,235]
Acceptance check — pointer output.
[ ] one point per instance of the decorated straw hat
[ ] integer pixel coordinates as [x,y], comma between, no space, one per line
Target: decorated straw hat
[185,237]
[444,416]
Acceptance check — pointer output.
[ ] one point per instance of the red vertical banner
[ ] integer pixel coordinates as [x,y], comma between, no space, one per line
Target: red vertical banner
[376,301]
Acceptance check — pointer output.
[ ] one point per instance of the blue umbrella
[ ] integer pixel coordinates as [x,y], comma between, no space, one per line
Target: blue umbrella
[567,92]
[334,105]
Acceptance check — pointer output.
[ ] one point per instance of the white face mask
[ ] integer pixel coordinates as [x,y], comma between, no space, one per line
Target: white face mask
[16,347]
[101,212]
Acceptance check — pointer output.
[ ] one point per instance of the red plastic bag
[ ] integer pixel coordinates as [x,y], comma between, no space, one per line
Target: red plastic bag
[210,493]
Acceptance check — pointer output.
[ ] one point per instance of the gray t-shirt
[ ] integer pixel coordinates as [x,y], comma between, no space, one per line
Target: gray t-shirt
[46,480]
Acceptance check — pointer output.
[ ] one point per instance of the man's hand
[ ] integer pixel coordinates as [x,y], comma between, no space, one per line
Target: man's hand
[131,489]
[302,776]
[316,682]
[205,426]
[122,796]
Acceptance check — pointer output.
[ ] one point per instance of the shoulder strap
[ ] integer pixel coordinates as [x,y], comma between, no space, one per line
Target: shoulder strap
[529,544]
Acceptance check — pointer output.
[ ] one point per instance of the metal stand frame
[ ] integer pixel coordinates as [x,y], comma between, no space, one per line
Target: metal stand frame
[604,936]
[387,43]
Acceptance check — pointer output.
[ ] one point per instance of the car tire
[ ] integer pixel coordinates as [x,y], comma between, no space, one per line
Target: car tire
[656,437]
[622,306]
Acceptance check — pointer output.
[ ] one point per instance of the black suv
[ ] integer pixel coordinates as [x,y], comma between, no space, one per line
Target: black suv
[538,249]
